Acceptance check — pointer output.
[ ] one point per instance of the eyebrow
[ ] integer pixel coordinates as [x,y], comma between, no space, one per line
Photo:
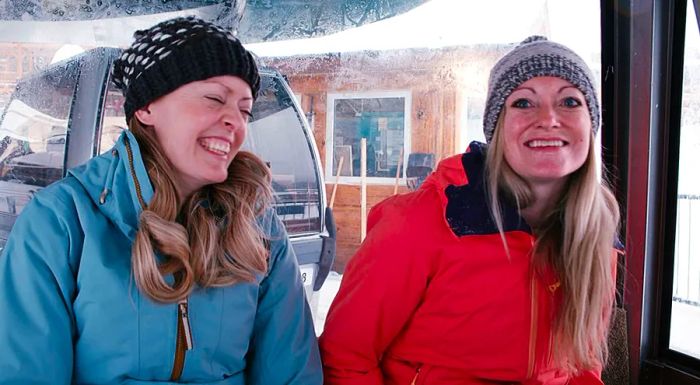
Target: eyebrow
[533,90]
[565,87]
[228,89]
[525,88]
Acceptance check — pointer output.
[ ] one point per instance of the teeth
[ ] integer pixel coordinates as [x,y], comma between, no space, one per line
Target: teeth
[216,145]
[545,143]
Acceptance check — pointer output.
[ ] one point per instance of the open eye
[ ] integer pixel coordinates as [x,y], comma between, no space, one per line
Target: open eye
[521,103]
[571,102]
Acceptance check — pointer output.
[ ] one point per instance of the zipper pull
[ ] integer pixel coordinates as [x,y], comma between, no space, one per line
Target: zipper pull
[184,317]
[415,378]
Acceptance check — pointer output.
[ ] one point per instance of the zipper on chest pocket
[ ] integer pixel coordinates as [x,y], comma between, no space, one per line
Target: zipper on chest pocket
[183,341]
[415,378]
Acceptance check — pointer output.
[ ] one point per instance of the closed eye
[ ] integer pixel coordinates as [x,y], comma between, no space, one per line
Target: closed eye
[214,99]
[247,113]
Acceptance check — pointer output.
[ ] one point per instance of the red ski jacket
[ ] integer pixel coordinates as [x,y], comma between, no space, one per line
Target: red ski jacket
[432,298]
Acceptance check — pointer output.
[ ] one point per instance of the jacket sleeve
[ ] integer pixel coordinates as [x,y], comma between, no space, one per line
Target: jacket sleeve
[284,348]
[381,288]
[37,286]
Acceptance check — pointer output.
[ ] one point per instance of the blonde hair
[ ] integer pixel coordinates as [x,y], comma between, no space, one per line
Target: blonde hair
[577,240]
[212,239]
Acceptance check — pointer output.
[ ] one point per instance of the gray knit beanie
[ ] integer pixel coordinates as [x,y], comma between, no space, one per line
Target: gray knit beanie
[176,52]
[534,57]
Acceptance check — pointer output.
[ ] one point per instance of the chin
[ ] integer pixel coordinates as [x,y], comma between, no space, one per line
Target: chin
[215,178]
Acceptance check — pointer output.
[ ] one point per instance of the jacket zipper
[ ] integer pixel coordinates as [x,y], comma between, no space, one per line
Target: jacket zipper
[183,341]
[533,328]
[415,378]
[137,185]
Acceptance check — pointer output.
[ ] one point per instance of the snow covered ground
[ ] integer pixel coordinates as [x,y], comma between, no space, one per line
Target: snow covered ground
[685,329]
[323,298]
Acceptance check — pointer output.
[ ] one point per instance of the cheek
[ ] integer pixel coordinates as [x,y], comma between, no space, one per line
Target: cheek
[511,155]
[240,137]
[514,124]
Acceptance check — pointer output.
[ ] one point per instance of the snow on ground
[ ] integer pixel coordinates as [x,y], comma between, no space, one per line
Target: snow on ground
[322,300]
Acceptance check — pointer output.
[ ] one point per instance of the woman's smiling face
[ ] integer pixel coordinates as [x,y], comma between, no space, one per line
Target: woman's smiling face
[200,128]
[546,130]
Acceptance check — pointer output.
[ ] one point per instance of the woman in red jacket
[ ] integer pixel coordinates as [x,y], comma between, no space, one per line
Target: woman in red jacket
[500,268]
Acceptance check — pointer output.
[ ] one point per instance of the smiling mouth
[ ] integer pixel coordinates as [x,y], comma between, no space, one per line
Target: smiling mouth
[545,143]
[217,146]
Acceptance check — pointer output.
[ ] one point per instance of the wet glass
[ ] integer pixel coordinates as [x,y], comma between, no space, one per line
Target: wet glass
[276,133]
[33,131]
[685,307]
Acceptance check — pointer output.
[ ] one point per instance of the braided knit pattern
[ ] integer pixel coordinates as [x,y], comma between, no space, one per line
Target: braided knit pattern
[535,57]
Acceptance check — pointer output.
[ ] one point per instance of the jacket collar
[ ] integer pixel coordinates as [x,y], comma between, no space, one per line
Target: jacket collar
[117,183]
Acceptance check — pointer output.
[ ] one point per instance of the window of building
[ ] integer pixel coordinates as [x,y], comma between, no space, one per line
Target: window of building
[383,119]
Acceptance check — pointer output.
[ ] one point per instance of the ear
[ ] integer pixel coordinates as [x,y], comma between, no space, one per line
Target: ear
[145,115]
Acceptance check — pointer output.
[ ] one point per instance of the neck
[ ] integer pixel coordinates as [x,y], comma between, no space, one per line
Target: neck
[545,198]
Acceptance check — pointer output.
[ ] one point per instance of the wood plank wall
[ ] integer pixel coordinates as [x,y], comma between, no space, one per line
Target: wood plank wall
[437,79]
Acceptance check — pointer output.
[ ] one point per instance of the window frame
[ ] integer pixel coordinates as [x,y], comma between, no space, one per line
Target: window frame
[643,47]
[676,17]
[330,173]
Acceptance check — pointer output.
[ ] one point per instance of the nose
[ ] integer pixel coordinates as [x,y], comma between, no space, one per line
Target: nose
[234,119]
[547,117]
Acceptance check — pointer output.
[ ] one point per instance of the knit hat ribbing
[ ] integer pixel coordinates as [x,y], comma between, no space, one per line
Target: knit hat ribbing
[534,57]
[176,52]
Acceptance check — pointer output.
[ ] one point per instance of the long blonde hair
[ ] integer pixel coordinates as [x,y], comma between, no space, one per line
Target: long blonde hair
[576,239]
[211,239]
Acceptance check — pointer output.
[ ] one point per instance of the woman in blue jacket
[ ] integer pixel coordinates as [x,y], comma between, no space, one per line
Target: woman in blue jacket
[162,260]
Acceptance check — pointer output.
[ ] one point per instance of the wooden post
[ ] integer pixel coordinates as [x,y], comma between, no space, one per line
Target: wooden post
[337,178]
[363,189]
[398,172]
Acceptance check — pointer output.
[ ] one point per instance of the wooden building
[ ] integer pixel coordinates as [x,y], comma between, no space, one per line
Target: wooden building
[405,101]
[427,101]
[20,59]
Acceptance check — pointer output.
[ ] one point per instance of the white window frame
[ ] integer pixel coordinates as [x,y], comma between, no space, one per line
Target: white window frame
[330,173]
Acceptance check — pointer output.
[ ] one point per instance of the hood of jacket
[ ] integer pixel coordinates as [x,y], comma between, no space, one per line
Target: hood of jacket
[118,184]
[460,183]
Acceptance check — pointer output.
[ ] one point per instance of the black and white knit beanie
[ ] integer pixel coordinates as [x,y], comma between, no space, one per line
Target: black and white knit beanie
[534,57]
[176,52]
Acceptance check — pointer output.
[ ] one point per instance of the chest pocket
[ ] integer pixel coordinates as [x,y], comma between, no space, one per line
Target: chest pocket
[222,321]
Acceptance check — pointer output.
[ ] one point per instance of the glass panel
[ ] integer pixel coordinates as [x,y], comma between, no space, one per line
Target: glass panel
[33,131]
[276,134]
[685,311]
[113,119]
[380,120]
